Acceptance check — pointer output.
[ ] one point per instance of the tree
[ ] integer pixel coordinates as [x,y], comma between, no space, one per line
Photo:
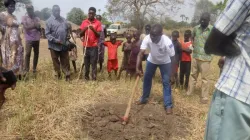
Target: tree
[99,10]
[186,18]
[201,7]
[45,13]
[219,7]
[137,11]
[20,3]
[76,15]
[38,14]
[105,20]
[182,17]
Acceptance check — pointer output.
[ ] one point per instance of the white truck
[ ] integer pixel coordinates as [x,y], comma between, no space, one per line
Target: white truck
[119,29]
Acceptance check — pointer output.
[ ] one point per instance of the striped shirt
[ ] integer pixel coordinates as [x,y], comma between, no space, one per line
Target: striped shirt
[235,78]
[56,30]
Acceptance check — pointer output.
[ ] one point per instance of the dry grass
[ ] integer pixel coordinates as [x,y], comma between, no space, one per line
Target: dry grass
[46,109]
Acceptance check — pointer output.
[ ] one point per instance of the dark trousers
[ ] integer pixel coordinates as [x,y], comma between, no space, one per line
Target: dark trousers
[28,49]
[185,68]
[60,59]
[90,58]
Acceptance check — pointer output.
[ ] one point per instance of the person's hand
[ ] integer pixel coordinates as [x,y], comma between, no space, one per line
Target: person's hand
[2,78]
[91,27]
[13,86]
[221,62]
[139,73]
[58,42]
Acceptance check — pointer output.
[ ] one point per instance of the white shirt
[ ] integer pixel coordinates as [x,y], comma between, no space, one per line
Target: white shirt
[235,77]
[161,52]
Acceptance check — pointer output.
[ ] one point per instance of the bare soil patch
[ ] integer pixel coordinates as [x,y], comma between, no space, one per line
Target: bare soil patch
[146,122]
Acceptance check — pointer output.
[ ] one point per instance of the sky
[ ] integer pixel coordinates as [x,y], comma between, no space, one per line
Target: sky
[67,5]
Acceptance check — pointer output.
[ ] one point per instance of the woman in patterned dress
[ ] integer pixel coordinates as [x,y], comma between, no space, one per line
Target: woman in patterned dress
[11,43]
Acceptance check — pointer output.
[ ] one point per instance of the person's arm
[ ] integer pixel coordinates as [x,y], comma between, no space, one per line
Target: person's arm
[187,50]
[139,62]
[169,47]
[119,43]
[221,38]
[48,34]
[82,33]
[144,46]
[26,25]
[83,28]
[97,32]
[105,32]
[123,47]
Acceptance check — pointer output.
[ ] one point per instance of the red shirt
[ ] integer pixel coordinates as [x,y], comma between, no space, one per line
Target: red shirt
[112,49]
[92,38]
[186,56]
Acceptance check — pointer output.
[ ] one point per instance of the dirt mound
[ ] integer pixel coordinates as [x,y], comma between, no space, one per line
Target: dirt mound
[146,122]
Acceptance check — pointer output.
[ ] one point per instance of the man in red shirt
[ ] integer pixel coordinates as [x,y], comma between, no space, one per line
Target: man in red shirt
[185,66]
[90,31]
[112,45]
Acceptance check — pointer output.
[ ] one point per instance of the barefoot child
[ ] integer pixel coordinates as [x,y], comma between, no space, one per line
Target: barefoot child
[185,66]
[134,53]
[176,58]
[101,47]
[112,46]
[73,52]
[126,53]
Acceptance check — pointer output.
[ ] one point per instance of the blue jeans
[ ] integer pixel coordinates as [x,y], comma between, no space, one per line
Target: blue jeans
[165,75]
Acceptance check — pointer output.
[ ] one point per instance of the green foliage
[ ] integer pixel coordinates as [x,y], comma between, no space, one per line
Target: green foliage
[201,7]
[76,15]
[219,7]
[139,11]
[171,24]
[105,20]
[45,13]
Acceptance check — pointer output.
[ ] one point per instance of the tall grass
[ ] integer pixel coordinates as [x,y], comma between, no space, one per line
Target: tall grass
[44,108]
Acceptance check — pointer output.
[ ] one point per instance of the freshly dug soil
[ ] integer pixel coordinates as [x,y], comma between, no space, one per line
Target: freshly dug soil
[146,122]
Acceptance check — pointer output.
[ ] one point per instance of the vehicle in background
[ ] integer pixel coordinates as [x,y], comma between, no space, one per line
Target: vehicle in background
[117,28]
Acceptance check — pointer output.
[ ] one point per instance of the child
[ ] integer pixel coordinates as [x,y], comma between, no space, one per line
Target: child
[134,53]
[176,58]
[126,53]
[112,45]
[185,66]
[73,52]
[101,47]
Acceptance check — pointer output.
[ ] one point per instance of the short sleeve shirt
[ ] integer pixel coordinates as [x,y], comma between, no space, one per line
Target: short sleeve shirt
[200,38]
[32,34]
[90,39]
[161,52]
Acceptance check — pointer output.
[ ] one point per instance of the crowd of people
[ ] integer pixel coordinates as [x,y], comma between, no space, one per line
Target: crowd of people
[230,108]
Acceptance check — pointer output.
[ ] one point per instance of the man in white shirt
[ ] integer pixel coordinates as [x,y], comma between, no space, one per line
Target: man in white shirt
[161,49]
